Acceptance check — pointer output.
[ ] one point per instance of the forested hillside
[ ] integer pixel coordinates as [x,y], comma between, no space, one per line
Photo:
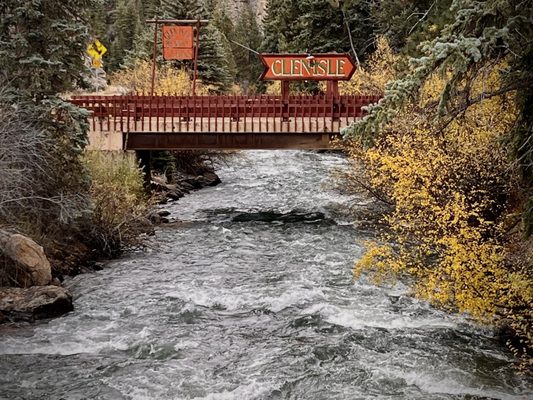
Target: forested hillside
[237,30]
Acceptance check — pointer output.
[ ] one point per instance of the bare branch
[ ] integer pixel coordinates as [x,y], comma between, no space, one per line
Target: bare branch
[423,17]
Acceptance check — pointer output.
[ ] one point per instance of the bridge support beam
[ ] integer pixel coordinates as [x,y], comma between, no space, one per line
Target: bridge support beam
[143,141]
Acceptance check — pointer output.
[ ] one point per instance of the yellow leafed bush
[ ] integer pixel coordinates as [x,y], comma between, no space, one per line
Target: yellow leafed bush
[451,184]
[372,78]
[118,200]
[169,80]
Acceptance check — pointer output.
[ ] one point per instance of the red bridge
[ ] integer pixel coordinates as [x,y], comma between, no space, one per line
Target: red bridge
[222,122]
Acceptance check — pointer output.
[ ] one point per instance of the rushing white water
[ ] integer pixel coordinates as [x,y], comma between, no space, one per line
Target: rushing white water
[251,297]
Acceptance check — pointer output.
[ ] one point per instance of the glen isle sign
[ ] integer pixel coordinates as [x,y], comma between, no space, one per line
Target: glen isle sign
[309,67]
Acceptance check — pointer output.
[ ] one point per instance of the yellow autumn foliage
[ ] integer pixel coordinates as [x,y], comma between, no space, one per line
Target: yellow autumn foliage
[118,200]
[169,80]
[372,78]
[451,183]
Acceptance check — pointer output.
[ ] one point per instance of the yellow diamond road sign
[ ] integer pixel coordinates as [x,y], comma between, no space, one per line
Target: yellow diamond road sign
[96,49]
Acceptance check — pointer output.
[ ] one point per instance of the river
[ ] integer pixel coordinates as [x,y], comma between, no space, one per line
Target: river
[249,295]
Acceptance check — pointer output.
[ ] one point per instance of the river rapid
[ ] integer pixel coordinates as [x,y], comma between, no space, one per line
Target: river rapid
[249,295]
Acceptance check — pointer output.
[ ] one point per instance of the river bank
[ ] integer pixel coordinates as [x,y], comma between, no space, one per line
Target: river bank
[247,301]
[37,272]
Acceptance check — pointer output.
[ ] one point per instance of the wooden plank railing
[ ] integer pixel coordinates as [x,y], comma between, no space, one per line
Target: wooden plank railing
[223,113]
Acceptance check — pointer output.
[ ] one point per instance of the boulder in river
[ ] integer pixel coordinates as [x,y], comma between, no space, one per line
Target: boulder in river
[36,302]
[175,194]
[211,179]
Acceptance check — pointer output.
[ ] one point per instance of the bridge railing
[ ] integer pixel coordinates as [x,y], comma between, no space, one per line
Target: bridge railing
[223,113]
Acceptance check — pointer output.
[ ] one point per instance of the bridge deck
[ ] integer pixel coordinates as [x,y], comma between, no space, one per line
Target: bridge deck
[236,122]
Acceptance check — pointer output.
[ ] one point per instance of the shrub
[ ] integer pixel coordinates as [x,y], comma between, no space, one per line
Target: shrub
[372,78]
[169,80]
[453,188]
[34,197]
[118,201]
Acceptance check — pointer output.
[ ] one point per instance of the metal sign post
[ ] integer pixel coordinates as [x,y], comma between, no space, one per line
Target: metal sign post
[196,49]
[156,28]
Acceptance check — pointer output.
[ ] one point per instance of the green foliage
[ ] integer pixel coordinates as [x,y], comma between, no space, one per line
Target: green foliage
[223,23]
[276,26]
[316,26]
[41,43]
[184,9]
[41,47]
[245,66]
[407,23]
[41,54]
[127,28]
[249,65]
[120,26]
[213,64]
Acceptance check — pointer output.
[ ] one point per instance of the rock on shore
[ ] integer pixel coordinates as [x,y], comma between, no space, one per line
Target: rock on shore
[36,302]
[28,256]
[184,185]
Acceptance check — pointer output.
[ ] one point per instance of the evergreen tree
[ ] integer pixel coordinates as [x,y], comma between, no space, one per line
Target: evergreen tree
[127,28]
[183,9]
[247,33]
[279,25]
[316,26]
[406,24]
[213,65]
[41,43]
[120,25]
[41,55]
[474,36]
[150,8]
[221,20]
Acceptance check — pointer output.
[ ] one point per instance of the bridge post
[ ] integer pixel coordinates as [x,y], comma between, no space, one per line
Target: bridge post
[144,158]
[332,89]
[285,92]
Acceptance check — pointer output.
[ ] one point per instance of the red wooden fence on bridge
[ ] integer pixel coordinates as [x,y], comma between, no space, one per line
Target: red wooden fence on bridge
[223,121]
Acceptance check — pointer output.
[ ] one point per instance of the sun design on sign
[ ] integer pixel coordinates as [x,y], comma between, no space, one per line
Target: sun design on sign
[178,42]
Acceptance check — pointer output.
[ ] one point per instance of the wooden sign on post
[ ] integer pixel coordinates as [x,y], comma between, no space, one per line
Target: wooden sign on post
[178,42]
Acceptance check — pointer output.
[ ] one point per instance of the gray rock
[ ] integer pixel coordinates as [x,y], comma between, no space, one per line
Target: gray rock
[195,182]
[154,217]
[185,186]
[158,187]
[36,302]
[211,179]
[175,194]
